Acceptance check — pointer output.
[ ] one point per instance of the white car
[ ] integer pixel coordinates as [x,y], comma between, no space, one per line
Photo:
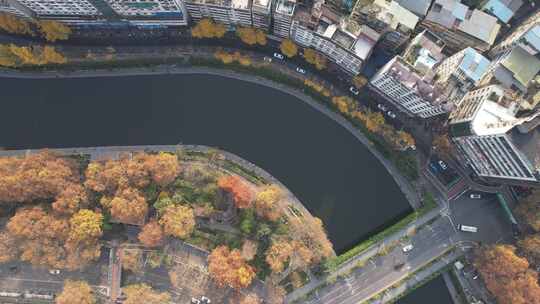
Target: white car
[413,147]
[443,165]
[54,271]
[407,248]
[279,56]
[391,114]
[354,90]
[475,196]
[300,70]
[381,107]
[267,59]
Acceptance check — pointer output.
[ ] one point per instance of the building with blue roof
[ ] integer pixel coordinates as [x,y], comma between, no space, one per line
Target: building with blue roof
[504,10]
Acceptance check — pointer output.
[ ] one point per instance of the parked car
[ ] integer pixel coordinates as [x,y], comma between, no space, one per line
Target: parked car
[54,271]
[443,165]
[382,107]
[267,59]
[475,196]
[279,56]
[412,147]
[300,70]
[466,228]
[391,114]
[354,90]
[408,248]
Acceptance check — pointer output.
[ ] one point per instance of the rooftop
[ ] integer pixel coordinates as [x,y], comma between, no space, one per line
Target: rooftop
[262,3]
[503,9]
[238,4]
[473,64]
[366,42]
[522,65]
[395,15]
[400,70]
[453,14]
[285,7]
[419,7]
[528,145]
[531,40]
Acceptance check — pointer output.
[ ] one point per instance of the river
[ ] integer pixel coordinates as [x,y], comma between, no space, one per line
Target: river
[329,170]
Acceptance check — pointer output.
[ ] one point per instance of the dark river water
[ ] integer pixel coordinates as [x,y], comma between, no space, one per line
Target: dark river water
[434,292]
[330,171]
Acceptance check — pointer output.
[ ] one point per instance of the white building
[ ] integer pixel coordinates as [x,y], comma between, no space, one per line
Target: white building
[347,50]
[459,73]
[283,16]
[399,83]
[229,12]
[149,12]
[60,9]
[497,144]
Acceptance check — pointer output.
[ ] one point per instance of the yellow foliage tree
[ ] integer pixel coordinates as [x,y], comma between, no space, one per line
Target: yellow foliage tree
[345,104]
[50,55]
[178,221]
[359,81]
[54,30]
[131,259]
[311,56]
[76,292]
[85,225]
[288,48]
[26,54]
[261,37]
[251,36]
[7,58]
[144,294]
[15,25]
[207,28]
[374,121]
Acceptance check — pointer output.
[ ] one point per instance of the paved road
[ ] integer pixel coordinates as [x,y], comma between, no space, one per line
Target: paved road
[380,273]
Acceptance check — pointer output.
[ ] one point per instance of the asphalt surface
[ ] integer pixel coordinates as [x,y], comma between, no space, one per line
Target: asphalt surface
[380,273]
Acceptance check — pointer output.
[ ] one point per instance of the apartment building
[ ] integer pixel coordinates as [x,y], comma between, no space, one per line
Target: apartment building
[282,15]
[228,12]
[151,12]
[7,7]
[496,143]
[459,73]
[66,10]
[261,14]
[526,35]
[400,84]
[461,26]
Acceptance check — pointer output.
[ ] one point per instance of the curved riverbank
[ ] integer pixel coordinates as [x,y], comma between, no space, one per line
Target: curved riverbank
[410,193]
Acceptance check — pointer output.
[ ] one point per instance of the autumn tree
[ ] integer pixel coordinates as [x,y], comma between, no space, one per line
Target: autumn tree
[131,259]
[53,30]
[374,121]
[530,245]
[71,199]
[27,55]
[36,176]
[151,234]
[51,55]
[15,25]
[76,292]
[144,294]
[178,221]
[206,28]
[129,206]
[275,294]
[315,58]
[251,36]
[7,58]
[241,192]
[8,247]
[278,255]
[288,48]
[249,250]
[85,225]
[529,210]
[228,268]
[267,202]
[345,104]
[309,233]
[442,145]
[162,167]
[507,276]
[359,81]
[225,57]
